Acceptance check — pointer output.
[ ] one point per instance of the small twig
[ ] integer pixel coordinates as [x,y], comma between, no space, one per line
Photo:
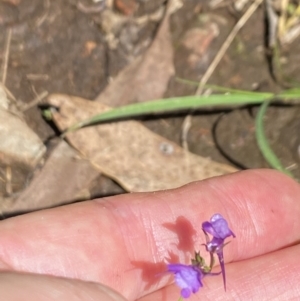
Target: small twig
[292,167]
[8,93]
[99,7]
[272,24]
[33,77]
[6,56]
[226,44]
[8,175]
[42,19]
[186,125]
[34,102]
[188,119]
[283,18]
[185,128]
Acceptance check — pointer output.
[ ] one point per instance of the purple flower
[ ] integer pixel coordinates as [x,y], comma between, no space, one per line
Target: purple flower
[187,277]
[218,228]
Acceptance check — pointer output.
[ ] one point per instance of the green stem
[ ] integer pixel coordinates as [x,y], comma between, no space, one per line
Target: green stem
[262,141]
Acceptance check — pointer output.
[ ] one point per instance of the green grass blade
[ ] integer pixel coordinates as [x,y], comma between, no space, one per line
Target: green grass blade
[173,105]
[289,94]
[262,142]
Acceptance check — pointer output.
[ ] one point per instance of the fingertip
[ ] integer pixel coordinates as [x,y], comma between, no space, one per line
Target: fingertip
[26,286]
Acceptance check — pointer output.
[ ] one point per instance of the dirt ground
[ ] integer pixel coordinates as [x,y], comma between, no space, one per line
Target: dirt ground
[63,46]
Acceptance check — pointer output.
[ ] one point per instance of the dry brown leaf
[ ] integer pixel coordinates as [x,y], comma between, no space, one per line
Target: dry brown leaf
[59,180]
[63,176]
[147,77]
[18,143]
[132,155]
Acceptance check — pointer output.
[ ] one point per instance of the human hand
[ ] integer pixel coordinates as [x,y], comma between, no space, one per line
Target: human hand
[114,247]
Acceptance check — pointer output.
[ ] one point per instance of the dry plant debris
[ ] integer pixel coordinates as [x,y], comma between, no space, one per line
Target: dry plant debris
[147,77]
[136,158]
[46,187]
[18,142]
[61,180]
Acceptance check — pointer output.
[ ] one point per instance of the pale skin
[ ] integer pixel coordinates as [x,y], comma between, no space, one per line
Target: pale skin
[115,249]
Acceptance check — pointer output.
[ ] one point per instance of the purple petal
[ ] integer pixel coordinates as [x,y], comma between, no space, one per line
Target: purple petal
[176,267]
[187,277]
[185,292]
[208,228]
[220,226]
[216,217]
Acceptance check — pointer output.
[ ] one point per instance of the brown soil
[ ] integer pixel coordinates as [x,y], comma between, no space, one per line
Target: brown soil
[60,49]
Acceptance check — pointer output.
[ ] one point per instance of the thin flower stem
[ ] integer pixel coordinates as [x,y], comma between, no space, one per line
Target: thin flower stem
[180,298]
[212,260]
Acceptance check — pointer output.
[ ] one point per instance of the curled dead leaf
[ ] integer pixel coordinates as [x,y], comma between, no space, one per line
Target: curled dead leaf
[128,152]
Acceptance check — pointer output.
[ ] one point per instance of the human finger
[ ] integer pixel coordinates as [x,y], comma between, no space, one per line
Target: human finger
[125,241]
[273,276]
[28,287]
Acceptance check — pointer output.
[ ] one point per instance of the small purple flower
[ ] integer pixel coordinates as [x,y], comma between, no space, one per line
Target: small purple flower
[187,277]
[218,228]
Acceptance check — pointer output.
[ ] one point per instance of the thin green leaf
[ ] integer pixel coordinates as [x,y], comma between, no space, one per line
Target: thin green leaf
[289,94]
[262,142]
[174,104]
